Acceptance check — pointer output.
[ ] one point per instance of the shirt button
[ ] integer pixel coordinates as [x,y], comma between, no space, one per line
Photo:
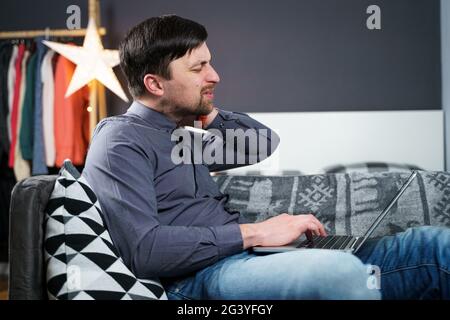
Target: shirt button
[221,125]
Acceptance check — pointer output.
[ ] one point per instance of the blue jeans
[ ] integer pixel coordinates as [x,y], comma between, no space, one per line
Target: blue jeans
[410,265]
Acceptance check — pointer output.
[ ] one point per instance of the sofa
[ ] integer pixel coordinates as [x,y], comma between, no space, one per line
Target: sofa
[346,203]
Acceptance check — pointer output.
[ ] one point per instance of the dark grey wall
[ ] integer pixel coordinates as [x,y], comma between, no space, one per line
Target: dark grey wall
[288,55]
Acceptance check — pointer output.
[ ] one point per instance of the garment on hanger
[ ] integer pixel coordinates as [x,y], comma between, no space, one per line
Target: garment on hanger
[15,104]
[39,166]
[22,167]
[48,106]
[71,116]
[11,82]
[27,126]
[5,57]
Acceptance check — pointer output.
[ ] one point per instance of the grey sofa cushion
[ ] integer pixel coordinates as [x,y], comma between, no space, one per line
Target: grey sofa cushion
[345,203]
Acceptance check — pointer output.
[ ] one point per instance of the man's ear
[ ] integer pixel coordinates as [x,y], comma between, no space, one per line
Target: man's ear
[154,85]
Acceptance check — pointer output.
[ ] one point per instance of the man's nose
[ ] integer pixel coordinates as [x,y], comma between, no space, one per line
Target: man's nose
[212,76]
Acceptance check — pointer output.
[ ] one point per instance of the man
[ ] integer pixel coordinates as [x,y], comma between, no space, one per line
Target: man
[168,219]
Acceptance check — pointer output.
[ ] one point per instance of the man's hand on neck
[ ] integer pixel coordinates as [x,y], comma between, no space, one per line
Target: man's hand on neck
[206,120]
[184,121]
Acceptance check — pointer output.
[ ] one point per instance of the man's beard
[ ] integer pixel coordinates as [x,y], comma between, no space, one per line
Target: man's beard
[202,107]
[205,105]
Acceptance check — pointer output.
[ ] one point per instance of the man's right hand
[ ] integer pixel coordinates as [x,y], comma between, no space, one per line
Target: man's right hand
[280,230]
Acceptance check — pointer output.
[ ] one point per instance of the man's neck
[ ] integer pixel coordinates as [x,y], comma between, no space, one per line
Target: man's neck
[158,108]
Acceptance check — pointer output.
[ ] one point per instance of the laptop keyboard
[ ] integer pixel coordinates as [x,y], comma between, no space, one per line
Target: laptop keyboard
[331,242]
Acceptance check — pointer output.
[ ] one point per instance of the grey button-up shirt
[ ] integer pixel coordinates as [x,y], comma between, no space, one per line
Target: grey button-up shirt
[165,219]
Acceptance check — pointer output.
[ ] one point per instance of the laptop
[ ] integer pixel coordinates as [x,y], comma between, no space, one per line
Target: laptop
[335,242]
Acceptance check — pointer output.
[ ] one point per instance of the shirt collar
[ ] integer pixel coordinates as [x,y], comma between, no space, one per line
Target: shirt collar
[155,118]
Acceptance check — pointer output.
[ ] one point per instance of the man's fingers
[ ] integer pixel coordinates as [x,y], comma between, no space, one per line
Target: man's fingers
[313,228]
[321,231]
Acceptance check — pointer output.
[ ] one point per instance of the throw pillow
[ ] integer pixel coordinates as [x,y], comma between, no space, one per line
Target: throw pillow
[82,262]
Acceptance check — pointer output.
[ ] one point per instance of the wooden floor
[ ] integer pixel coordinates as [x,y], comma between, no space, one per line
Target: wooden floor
[3,288]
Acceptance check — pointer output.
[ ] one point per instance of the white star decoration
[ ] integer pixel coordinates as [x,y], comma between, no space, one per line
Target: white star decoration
[93,62]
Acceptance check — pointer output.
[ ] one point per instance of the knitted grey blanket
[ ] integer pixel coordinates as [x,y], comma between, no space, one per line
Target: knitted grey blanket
[344,203]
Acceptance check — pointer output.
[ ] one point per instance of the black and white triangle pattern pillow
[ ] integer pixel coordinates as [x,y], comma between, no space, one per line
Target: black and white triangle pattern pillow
[82,262]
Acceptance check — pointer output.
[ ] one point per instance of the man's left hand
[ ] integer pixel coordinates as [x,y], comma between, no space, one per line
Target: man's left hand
[206,120]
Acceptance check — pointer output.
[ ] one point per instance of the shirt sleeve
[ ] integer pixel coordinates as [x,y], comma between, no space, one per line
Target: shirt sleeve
[242,140]
[128,199]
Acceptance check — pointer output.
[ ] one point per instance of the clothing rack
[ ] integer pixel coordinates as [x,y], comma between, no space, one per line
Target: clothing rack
[97,91]
[46,33]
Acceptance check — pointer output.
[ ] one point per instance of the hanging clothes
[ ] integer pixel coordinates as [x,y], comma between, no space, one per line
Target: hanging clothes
[39,165]
[27,126]
[71,116]
[15,104]
[40,127]
[48,106]
[5,57]
[22,167]
[11,82]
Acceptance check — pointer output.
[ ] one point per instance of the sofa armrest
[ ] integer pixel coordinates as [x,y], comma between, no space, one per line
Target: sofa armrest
[26,257]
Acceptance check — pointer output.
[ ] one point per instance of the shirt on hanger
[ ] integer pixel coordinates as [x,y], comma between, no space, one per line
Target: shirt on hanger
[15,104]
[5,57]
[22,167]
[48,103]
[11,82]
[71,116]
[27,125]
[39,165]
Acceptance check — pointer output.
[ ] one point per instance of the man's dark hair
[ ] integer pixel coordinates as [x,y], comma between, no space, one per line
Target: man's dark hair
[150,46]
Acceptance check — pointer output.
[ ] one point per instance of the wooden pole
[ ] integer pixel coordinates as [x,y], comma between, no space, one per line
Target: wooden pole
[102,112]
[51,33]
[98,17]
[93,106]
[93,9]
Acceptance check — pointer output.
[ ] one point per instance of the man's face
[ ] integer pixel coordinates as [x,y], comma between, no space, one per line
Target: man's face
[191,88]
